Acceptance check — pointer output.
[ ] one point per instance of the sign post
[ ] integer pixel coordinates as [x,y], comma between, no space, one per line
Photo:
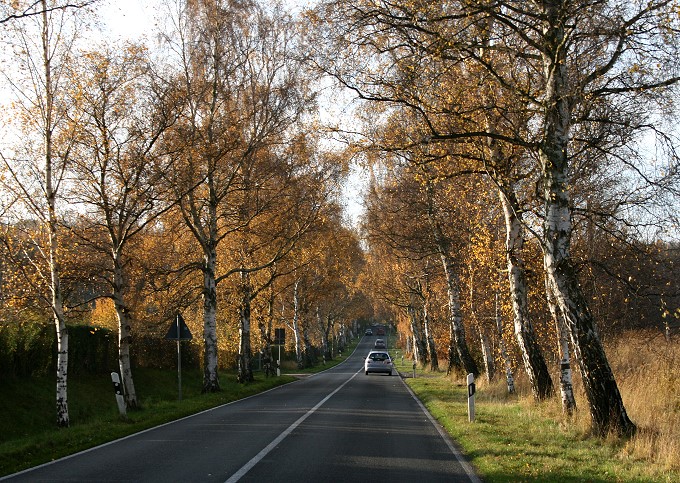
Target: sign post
[179,331]
[279,339]
[471,397]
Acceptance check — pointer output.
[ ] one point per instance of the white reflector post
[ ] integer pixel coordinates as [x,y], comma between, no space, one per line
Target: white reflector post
[118,390]
[471,396]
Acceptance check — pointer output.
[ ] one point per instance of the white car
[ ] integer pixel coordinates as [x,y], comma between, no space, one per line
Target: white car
[378,361]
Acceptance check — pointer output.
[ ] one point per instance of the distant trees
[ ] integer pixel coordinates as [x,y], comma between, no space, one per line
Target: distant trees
[142,160]
[553,87]
[244,174]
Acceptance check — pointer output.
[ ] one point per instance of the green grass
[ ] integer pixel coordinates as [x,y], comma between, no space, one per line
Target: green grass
[28,432]
[512,440]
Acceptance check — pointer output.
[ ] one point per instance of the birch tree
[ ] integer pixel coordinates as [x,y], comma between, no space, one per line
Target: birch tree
[576,54]
[565,40]
[208,44]
[118,170]
[43,47]
[244,95]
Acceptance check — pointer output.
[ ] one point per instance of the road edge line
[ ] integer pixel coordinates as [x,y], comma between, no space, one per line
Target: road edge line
[467,467]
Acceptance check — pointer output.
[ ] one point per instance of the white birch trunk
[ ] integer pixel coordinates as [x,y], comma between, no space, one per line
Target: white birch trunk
[124,332]
[57,302]
[566,383]
[415,335]
[323,329]
[607,411]
[455,313]
[429,339]
[296,326]
[63,419]
[532,356]
[487,355]
[245,368]
[457,329]
[510,380]
[210,363]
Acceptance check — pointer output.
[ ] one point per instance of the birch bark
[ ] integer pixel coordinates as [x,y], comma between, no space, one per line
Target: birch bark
[566,384]
[211,381]
[452,288]
[419,346]
[245,369]
[457,329]
[429,339]
[296,325]
[63,419]
[504,352]
[532,356]
[124,332]
[487,354]
[606,404]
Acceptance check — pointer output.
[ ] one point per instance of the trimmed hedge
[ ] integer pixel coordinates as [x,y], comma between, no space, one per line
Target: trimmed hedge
[29,349]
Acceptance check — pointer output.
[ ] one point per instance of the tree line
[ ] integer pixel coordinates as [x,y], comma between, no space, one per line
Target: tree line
[521,203]
[184,178]
[528,122]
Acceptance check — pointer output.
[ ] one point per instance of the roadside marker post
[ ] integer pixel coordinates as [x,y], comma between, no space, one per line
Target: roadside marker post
[471,397]
[118,390]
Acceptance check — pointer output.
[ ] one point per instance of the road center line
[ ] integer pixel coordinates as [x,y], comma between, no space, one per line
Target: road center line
[265,451]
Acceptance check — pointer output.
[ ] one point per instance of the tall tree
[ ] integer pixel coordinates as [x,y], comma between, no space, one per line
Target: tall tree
[43,47]
[564,40]
[566,56]
[239,150]
[118,169]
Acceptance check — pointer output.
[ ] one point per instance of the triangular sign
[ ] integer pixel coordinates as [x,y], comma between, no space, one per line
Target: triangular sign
[178,330]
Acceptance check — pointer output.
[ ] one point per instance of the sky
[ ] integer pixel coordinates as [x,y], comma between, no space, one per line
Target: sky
[135,19]
[128,18]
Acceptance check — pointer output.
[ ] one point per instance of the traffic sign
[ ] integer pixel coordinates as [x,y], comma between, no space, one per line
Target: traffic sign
[279,336]
[179,330]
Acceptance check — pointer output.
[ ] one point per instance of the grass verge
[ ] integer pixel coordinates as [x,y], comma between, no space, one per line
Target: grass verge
[28,432]
[515,439]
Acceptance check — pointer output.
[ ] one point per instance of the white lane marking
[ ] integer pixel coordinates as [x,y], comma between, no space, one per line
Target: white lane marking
[461,459]
[265,451]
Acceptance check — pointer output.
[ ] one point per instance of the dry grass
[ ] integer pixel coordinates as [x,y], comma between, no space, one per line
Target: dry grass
[647,370]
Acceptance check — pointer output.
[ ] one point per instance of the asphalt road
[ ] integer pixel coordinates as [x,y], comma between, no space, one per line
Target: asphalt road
[337,426]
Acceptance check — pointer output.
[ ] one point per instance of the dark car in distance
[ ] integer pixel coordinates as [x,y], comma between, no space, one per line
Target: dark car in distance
[369,332]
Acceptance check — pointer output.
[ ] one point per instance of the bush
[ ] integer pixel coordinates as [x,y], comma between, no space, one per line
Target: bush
[28,349]
[91,350]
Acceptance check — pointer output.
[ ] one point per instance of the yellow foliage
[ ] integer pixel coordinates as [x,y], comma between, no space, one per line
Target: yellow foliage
[104,315]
